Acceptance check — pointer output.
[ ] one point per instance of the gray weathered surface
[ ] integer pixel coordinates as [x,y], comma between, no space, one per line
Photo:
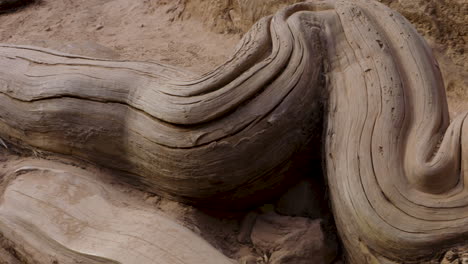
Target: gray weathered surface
[188,138]
[394,164]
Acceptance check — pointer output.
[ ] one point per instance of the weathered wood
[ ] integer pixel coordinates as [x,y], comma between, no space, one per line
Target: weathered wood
[395,165]
[63,214]
[194,139]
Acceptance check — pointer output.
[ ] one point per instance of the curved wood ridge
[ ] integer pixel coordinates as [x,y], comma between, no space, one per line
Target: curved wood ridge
[394,164]
[194,139]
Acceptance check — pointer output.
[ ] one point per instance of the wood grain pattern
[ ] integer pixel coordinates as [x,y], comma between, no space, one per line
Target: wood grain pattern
[63,214]
[193,139]
[395,165]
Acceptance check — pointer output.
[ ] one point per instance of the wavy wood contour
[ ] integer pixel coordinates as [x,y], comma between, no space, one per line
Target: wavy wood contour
[394,162]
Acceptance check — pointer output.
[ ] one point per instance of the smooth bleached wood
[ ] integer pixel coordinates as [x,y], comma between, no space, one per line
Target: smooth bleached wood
[65,214]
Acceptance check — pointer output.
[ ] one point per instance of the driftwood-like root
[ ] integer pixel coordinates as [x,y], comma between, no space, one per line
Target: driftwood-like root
[395,165]
[191,139]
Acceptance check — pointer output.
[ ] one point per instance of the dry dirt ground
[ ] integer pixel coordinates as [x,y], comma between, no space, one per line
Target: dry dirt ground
[120,29]
[198,35]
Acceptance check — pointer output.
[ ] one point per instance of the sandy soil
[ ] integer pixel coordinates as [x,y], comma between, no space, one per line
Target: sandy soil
[136,30]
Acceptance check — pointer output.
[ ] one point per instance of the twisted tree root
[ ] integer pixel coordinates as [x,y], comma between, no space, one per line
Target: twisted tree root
[394,164]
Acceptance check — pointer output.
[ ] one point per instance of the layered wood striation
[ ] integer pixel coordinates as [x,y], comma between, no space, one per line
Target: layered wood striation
[194,138]
[395,165]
